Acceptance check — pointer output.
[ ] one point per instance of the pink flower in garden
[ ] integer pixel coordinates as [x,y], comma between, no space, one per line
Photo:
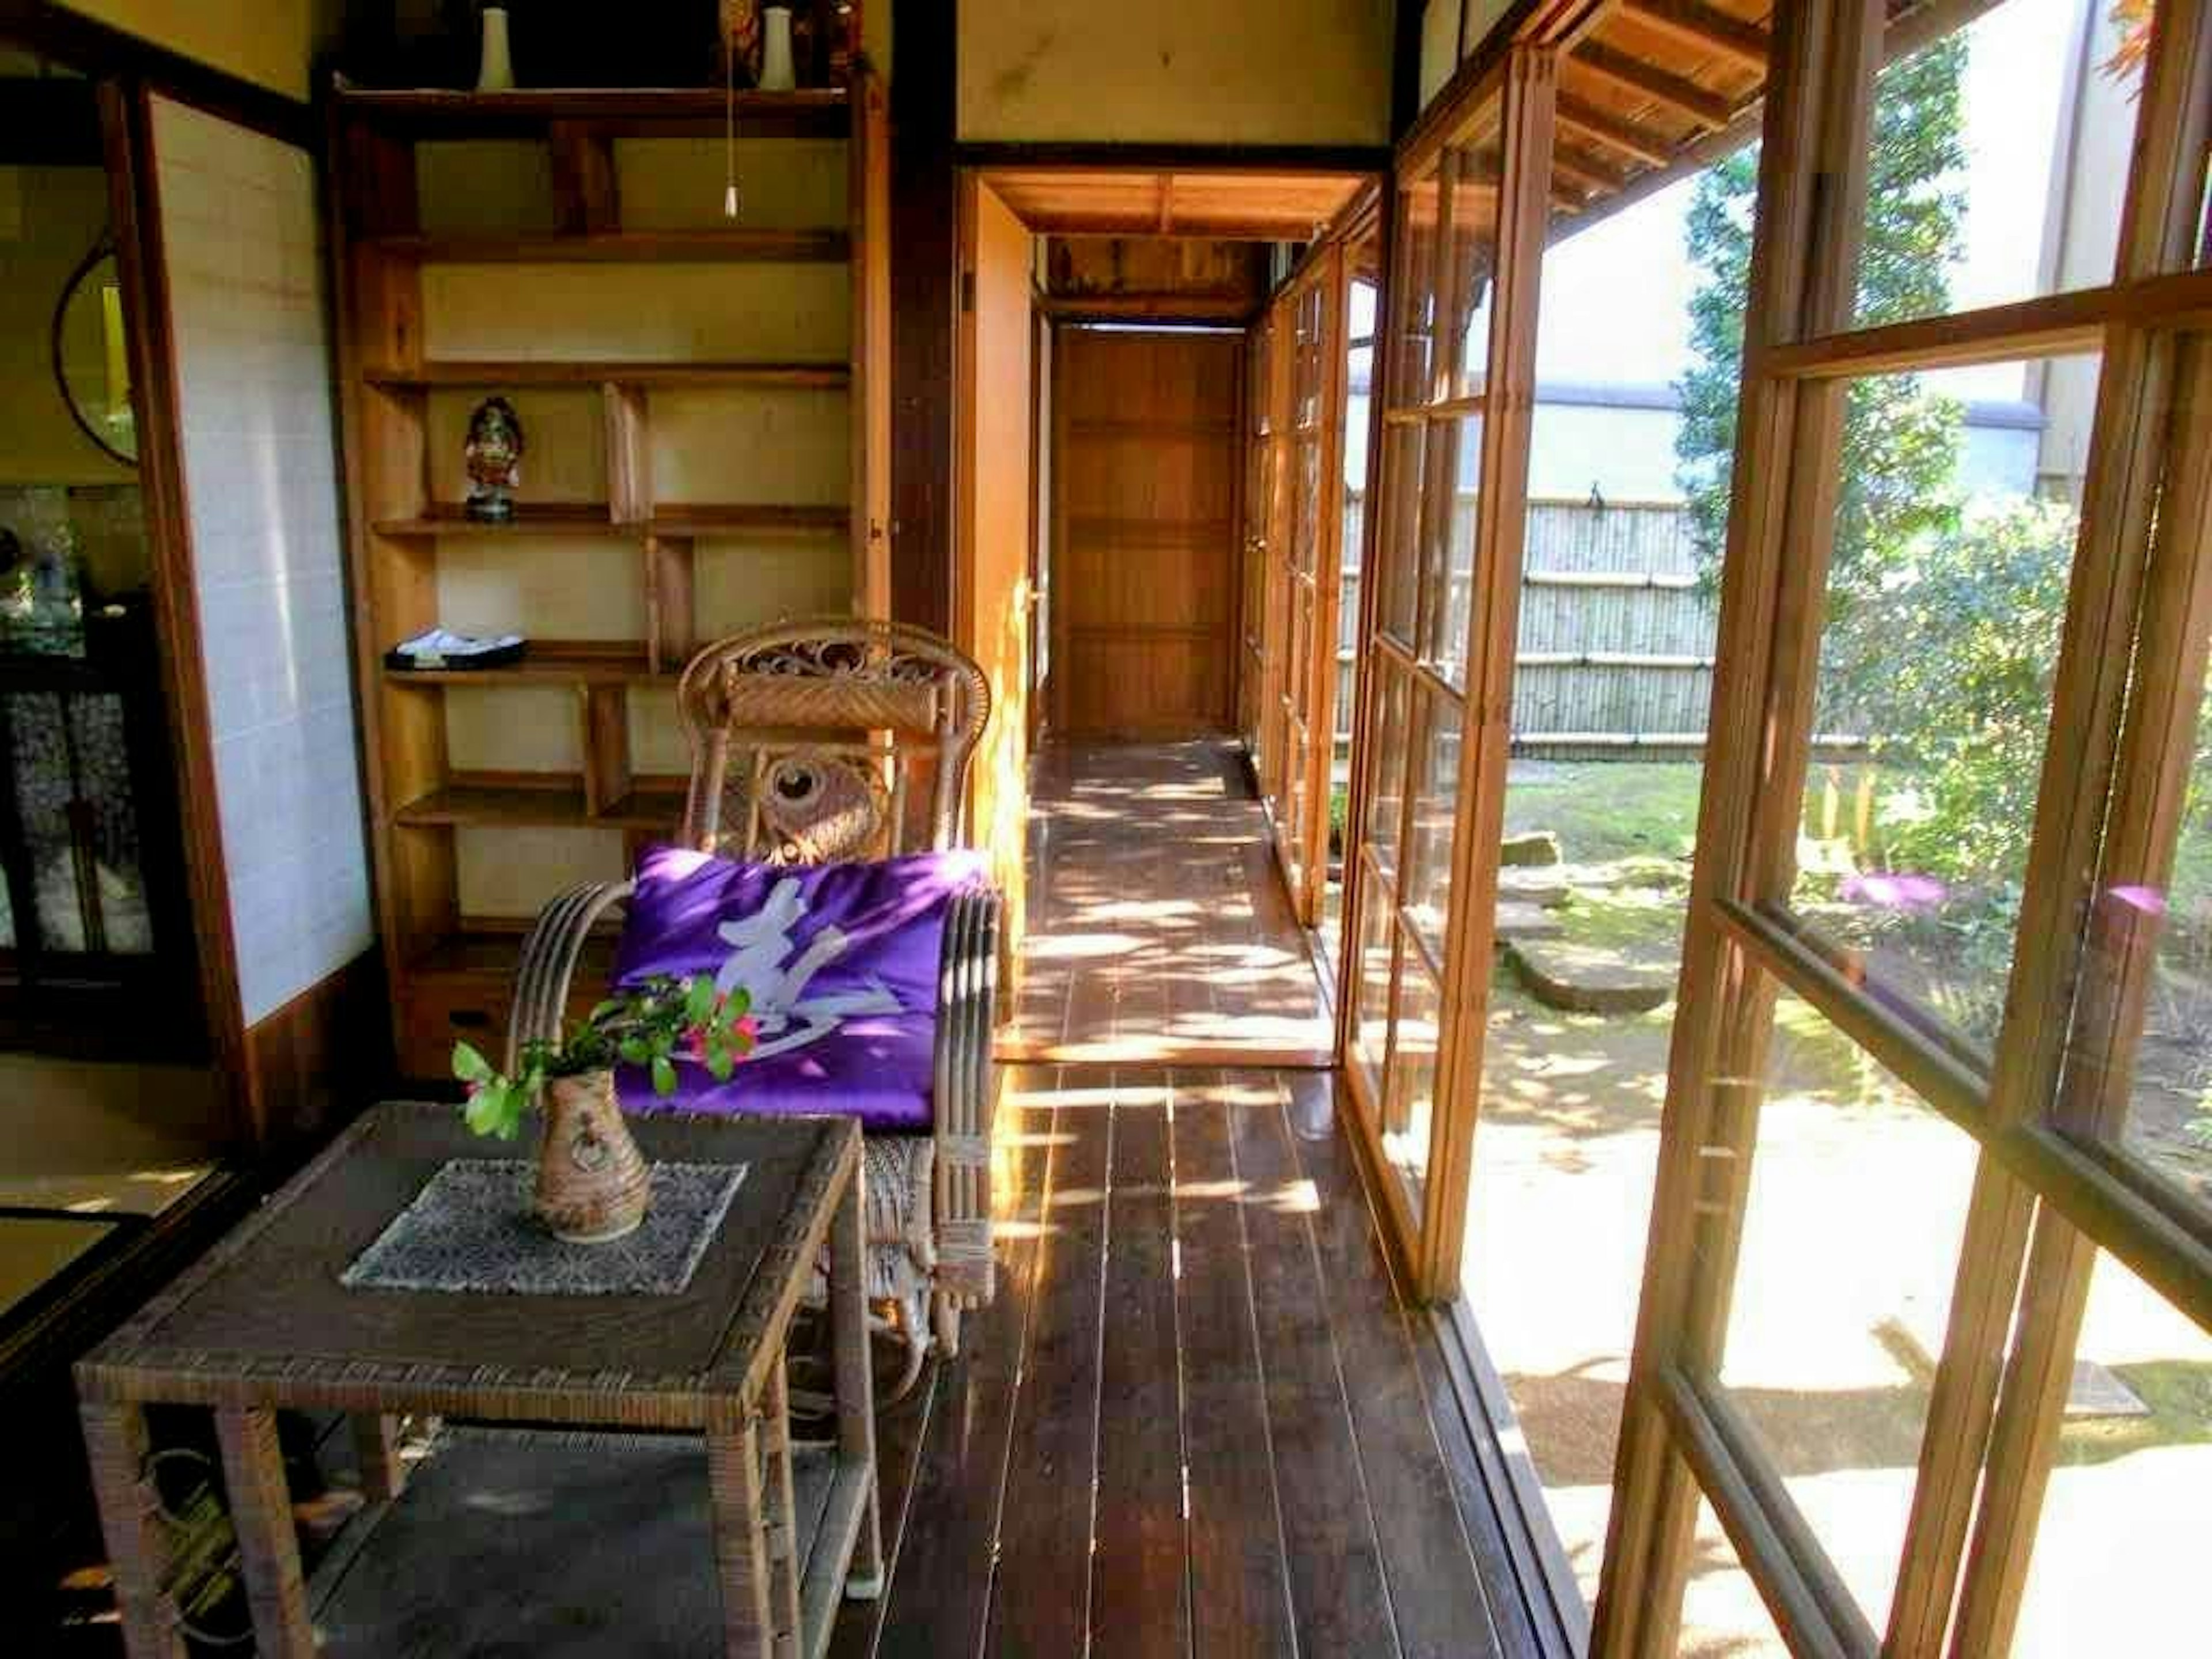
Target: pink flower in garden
[1896,891]
[2148,900]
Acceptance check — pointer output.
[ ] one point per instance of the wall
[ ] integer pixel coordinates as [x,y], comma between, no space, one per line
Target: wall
[269,42]
[50,217]
[992,612]
[240,229]
[1235,71]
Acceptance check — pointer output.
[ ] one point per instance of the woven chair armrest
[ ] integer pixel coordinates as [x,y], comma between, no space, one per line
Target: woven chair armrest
[967,1091]
[550,953]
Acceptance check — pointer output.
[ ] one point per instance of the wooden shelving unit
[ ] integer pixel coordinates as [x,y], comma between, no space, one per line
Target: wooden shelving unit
[637,501]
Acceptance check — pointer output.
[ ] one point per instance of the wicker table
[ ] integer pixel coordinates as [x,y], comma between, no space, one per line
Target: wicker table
[262,1323]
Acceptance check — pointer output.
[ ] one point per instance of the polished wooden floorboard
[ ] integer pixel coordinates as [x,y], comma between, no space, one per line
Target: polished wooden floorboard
[1198,1419]
[1158,929]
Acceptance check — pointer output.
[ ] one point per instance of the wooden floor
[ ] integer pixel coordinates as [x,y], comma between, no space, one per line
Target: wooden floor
[1158,930]
[1197,1419]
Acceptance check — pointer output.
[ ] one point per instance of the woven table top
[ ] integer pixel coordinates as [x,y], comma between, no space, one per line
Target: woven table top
[264,1318]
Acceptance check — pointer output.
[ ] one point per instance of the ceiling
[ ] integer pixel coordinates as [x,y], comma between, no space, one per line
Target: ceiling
[1234,206]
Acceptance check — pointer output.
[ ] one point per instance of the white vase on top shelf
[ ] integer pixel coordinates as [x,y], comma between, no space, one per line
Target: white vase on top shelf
[776,73]
[495,68]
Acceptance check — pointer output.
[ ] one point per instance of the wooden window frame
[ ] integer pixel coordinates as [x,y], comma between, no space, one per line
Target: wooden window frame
[2044,1199]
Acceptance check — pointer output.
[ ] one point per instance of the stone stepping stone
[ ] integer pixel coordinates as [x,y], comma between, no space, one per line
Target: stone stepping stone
[2096,1392]
[1518,921]
[1530,847]
[1546,888]
[1588,978]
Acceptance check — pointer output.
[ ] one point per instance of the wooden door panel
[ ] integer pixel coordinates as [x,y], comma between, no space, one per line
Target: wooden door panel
[1146,498]
[1142,684]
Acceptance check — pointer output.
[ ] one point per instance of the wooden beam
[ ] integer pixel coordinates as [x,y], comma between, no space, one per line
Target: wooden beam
[1609,129]
[1677,93]
[1694,24]
[1587,170]
[1166,203]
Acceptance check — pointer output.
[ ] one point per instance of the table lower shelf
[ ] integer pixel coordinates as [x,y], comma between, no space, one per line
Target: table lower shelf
[561,1545]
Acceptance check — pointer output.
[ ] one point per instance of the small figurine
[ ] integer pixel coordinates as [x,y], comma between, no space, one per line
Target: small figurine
[493,457]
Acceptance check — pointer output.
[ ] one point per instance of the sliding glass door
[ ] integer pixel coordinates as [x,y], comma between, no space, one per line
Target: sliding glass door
[1456,388]
[1303,580]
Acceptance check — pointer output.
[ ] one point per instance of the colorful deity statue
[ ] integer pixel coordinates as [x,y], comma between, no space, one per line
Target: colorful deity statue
[493,457]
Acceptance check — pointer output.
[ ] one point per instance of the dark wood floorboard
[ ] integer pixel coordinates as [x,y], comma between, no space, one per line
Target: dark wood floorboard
[1337,1587]
[1140,1588]
[1239,1583]
[1423,1535]
[1041,1604]
[940,1582]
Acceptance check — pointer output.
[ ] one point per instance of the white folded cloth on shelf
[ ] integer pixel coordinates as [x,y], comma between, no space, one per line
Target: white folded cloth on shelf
[444,642]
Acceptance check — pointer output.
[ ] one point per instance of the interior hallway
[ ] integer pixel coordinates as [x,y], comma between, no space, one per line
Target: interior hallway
[1199,1418]
[1158,927]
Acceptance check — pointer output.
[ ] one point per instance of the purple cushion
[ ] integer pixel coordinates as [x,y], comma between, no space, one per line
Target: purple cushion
[841,963]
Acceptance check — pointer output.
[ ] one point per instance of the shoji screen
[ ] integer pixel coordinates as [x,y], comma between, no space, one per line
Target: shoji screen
[239,229]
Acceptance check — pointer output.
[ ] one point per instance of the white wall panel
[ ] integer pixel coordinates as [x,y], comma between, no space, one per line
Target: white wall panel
[238,230]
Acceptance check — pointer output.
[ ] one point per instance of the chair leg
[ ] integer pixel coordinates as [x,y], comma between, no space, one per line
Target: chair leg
[917,1354]
[945,1313]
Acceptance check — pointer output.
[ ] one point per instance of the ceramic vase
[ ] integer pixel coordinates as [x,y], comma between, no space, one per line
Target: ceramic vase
[593,1184]
[495,68]
[776,74]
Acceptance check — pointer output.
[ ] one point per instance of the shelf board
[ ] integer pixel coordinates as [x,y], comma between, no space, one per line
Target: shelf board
[441,113]
[493,954]
[677,519]
[556,518]
[644,246]
[521,372]
[652,804]
[549,663]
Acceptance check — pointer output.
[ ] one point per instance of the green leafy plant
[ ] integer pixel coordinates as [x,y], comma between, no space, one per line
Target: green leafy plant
[644,1025]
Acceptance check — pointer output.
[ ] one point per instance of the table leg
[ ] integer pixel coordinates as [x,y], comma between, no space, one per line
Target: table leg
[129,1520]
[261,1514]
[783,1540]
[376,1449]
[733,1479]
[856,1399]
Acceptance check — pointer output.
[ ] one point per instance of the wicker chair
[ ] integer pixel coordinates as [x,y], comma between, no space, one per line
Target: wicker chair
[814,742]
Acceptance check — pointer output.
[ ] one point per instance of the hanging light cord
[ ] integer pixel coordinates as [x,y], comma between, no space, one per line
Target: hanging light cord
[729,120]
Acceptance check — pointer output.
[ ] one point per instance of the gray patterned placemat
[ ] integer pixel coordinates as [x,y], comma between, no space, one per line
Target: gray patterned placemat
[470,1229]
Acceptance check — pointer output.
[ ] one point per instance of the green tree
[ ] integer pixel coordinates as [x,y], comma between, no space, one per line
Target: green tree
[1900,443]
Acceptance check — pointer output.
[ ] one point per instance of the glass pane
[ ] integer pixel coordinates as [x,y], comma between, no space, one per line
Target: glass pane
[111,823]
[1611,696]
[1404,457]
[1945,599]
[1370,1022]
[2167,1122]
[1392,742]
[1997,158]
[1427,896]
[2121,1541]
[1723,1616]
[1831,1352]
[1409,1103]
[1470,279]
[1448,545]
[1414,297]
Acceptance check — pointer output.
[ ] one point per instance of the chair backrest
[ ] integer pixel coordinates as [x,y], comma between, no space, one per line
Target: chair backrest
[829,738]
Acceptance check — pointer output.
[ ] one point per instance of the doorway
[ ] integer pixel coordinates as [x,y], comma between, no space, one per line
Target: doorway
[1144,511]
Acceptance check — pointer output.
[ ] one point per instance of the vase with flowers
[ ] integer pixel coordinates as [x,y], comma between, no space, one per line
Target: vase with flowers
[592,1184]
